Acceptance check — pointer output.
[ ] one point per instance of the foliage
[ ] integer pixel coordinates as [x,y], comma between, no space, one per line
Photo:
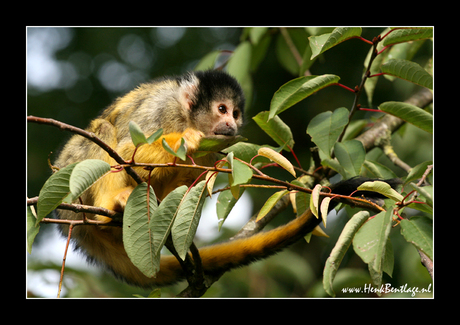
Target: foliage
[334,133]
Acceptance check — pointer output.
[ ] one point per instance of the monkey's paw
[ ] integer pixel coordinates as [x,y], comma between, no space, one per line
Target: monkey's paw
[192,138]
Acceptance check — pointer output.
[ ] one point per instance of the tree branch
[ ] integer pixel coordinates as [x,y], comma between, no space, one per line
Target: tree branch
[90,136]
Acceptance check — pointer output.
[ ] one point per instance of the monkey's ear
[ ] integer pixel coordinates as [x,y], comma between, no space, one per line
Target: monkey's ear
[187,95]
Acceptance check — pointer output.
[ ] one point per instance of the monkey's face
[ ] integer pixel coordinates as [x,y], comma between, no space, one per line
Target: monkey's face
[223,118]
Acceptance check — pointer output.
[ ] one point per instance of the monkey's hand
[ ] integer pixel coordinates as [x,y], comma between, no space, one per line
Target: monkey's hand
[192,139]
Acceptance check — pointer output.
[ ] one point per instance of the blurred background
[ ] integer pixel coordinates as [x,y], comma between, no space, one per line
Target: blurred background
[74,73]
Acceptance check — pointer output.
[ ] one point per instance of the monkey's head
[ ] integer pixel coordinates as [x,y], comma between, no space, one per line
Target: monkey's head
[215,102]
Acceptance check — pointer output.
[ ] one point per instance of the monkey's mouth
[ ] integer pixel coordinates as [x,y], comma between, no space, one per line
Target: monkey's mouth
[225,134]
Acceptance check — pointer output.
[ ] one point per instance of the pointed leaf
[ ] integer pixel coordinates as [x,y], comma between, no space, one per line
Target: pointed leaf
[155,136]
[225,203]
[298,89]
[234,184]
[136,133]
[210,180]
[409,71]
[408,34]
[320,44]
[409,113]
[419,232]
[181,151]
[85,174]
[340,248]
[317,231]
[270,203]
[278,158]
[325,128]
[351,156]
[137,238]
[370,243]
[208,61]
[314,200]
[54,191]
[417,171]
[163,218]
[325,209]
[217,143]
[187,219]
[276,129]
[382,188]
[241,173]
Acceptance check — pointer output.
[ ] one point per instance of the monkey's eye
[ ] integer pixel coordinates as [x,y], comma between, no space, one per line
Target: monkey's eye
[236,114]
[223,109]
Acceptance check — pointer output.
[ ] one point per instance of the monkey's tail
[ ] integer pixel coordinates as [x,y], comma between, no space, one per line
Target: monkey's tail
[239,252]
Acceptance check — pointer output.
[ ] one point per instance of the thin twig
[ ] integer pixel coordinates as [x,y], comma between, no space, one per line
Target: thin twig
[63,261]
[90,136]
[359,89]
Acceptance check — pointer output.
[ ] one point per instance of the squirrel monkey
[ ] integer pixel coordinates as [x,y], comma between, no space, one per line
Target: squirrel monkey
[191,106]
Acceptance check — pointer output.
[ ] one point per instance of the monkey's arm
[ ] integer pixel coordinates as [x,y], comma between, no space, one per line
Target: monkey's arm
[163,180]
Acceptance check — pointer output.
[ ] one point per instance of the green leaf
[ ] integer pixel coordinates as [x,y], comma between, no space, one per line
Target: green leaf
[234,188]
[217,143]
[382,188]
[325,128]
[340,248]
[187,219]
[256,33]
[409,113]
[276,129]
[417,171]
[225,203]
[54,191]
[137,237]
[404,51]
[155,136]
[425,194]
[241,173]
[283,51]
[243,150]
[408,34]
[302,199]
[322,43]
[298,89]
[85,174]
[208,61]
[409,71]
[419,232]
[371,242]
[181,151]
[270,203]
[239,66]
[163,218]
[136,133]
[374,169]
[351,156]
